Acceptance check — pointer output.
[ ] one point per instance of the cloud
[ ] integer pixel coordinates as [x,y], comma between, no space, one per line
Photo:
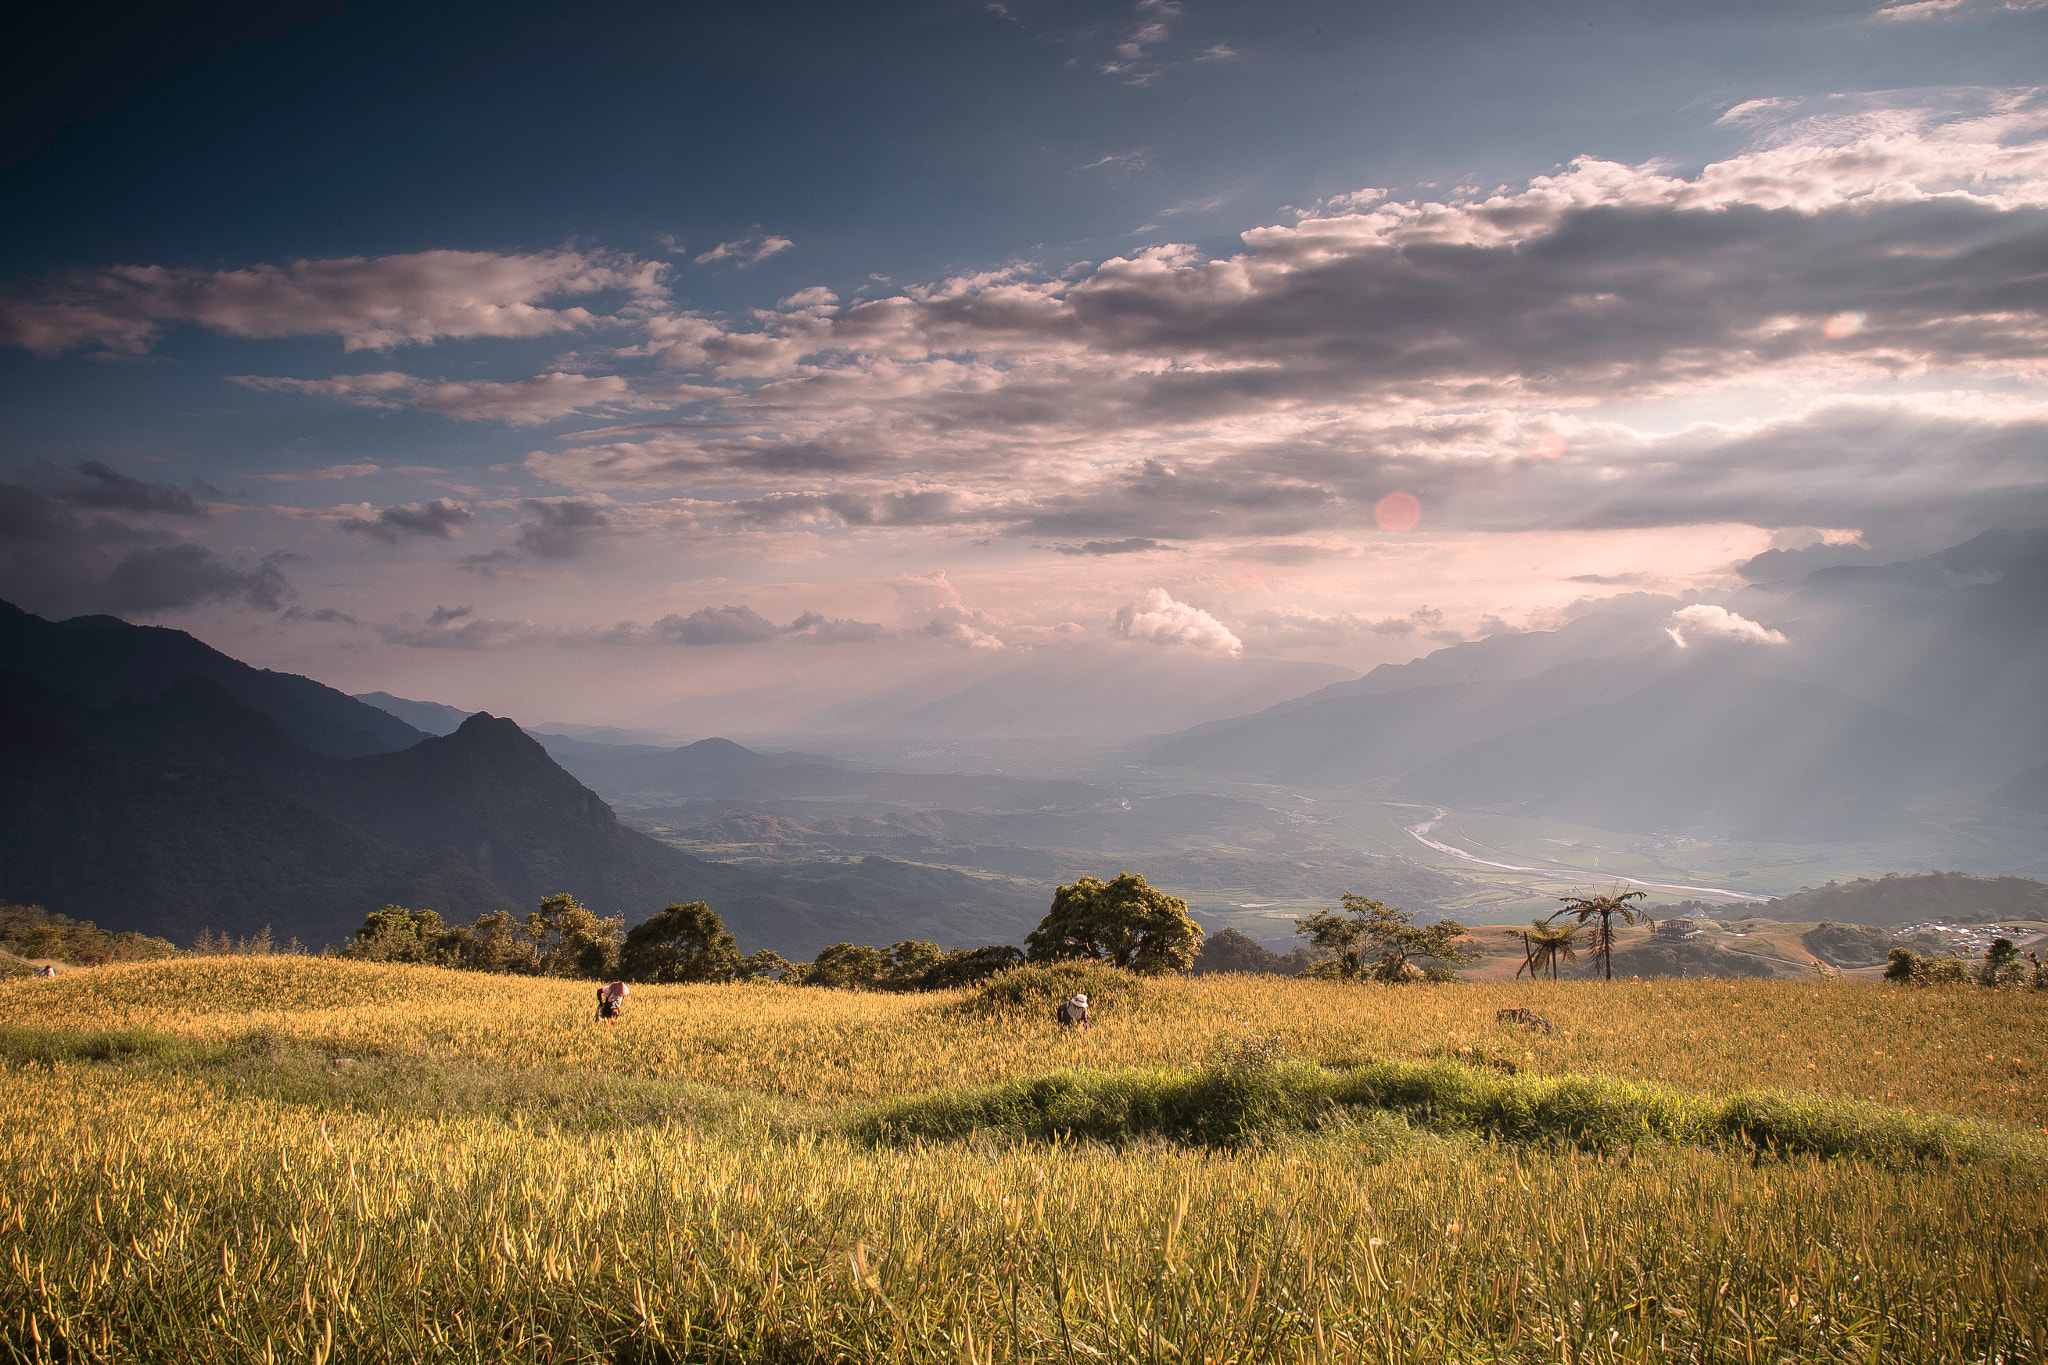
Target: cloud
[103,487]
[1718,623]
[561,530]
[1158,618]
[1137,159]
[717,626]
[1923,9]
[61,552]
[169,577]
[371,303]
[746,251]
[1457,351]
[1297,628]
[1130,546]
[457,628]
[326,616]
[439,520]
[333,471]
[737,625]
[1618,580]
[522,402]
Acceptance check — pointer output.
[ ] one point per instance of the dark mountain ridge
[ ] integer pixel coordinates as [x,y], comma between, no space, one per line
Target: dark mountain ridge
[170,806]
[98,661]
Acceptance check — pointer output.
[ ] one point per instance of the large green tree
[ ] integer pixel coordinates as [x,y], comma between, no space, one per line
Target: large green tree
[569,939]
[1371,940]
[1122,922]
[680,944]
[396,934]
[850,966]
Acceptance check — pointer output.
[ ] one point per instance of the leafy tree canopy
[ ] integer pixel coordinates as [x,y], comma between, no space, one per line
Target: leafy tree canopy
[396,934]
[1123,922]
[851,966]
[570,940]
[1371,940]
[682,943]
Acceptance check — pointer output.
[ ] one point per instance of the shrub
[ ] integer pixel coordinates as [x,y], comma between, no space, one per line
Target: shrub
[1038,989]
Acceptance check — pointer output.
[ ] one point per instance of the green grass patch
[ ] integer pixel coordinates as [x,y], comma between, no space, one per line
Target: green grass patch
[1231,1103]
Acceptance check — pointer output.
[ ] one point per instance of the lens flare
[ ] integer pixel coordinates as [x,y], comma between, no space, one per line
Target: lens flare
[1842,325]
[1398,512]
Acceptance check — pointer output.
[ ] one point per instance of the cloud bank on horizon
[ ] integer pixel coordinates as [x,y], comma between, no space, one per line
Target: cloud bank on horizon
[1381,422]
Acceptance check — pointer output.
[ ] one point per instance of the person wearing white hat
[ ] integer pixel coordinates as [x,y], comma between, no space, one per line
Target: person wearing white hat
[1074,1012]
[611,1001]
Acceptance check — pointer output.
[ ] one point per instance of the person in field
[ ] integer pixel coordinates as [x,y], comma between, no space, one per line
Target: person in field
[611,1000]
[1073,1012]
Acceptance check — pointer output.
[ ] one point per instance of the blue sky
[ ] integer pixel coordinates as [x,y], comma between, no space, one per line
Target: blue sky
[444,351]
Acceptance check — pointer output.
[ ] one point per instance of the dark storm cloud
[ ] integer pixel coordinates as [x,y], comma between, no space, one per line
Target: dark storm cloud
[109,488]
[560,530]
[53,559]
[717,626]
[439,520]
[168,577]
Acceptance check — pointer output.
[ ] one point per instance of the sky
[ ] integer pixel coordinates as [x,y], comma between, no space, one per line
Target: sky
[708,366]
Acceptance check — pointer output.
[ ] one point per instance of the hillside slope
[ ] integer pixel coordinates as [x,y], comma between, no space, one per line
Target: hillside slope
[97,661]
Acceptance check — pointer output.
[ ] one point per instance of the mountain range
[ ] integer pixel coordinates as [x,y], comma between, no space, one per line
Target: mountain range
[1820,709]
[154,784]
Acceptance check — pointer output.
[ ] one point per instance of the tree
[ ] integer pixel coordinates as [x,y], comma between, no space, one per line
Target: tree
[765,964]
[911,960]
[570,940]
[496,942]
[1123,922]
[396,934]
[682,943]
[1614,905]
[853,966]
[1543,946]
[1230,951]
[2001,964]
[970,967]
[1372,939]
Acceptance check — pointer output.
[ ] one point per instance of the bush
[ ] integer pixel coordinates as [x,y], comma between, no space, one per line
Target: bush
[1038,989]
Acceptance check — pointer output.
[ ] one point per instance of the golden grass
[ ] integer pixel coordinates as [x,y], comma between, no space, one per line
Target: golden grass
[1964,1052]
[148,1213]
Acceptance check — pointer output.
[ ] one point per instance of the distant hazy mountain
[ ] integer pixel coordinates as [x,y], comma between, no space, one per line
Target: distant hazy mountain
[1902,899]
[1760,758]
[430,717]
[1878,685]
[97,661]
[604,734]
[1123,691]
[718,769]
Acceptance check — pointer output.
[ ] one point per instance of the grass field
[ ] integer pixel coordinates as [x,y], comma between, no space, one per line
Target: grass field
[274,1158]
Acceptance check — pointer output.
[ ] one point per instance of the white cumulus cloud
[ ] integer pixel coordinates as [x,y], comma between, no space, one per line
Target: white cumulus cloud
[1157,617]
[1718,623]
